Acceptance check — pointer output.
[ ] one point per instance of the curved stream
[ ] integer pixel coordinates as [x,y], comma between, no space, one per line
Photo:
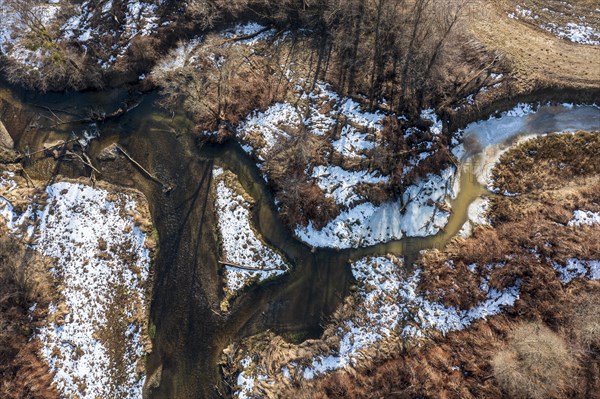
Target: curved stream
[190,332]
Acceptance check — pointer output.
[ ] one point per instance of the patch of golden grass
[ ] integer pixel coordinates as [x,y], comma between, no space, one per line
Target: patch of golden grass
[536,363]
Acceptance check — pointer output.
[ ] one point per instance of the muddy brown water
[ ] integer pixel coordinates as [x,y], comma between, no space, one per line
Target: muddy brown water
[190,331]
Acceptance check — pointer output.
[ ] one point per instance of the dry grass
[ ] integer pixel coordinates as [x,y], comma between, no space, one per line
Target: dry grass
[546,163]
[23,282]
[584,320]
[536,363]
[525,240]
[539,59]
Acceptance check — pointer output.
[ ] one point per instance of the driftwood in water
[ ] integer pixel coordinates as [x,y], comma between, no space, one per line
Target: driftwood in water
[100,117]
[166,187]
[29,154]
[84,160]
[235,265]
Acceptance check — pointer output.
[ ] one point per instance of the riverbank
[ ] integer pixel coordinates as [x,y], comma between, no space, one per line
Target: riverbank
[95,334]
[538,259]
[293,305]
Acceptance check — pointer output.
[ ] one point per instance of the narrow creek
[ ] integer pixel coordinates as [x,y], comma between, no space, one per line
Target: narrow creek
[190,332]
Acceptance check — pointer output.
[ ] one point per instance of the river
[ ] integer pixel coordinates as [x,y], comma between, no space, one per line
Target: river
[190,330]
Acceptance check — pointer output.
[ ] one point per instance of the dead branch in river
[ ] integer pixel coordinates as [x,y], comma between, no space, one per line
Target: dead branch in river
[235,265]
[166,187]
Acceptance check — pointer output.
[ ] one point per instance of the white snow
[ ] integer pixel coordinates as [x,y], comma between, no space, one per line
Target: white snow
[352,142]
[265,128]
[14,32]
[430,115]
[477,211]
[490,138]
[340,184]
[577,32]
[584,218]
[576,268]
[240,242]
[179,57]
[247,29]
[387,304]
[140,19]
[367,224]
[246,380]
[70,227]
[260,131]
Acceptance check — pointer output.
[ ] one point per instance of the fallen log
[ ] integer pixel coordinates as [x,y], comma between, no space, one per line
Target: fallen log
[166,187]
[237,266]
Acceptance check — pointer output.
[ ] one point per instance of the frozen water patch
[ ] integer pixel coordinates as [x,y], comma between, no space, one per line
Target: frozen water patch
[240,242]
[490,138]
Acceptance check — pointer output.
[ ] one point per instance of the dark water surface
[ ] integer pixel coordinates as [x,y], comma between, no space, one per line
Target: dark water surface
[190,330]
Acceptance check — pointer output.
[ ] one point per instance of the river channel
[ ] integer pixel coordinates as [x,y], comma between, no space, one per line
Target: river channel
[191,332]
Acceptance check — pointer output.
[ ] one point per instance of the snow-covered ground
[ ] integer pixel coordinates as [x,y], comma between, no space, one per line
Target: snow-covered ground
[422,212]
[249,29]
[14,31]
[581,218]
[85,23]
[386,304]
[477,216]
[259,132]
[576,268]
[264,129]
[360,223]
[241,244]
[340,183]
[83,27]
[93,338]
[577,31]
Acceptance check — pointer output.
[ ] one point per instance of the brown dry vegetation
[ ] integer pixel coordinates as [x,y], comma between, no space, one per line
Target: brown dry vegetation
[23,282]
[538,58]
[499,357]
[536,363]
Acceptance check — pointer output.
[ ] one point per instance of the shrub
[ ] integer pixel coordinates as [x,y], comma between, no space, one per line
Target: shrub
[536,363]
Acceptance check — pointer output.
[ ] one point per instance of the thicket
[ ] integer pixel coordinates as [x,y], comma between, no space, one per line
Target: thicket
[25,292]
[536,363]
[407,51]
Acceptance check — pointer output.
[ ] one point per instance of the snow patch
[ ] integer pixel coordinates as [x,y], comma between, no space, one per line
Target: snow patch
[366,224]
[587,218]
[575,268]
[99,252]
[240,242]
